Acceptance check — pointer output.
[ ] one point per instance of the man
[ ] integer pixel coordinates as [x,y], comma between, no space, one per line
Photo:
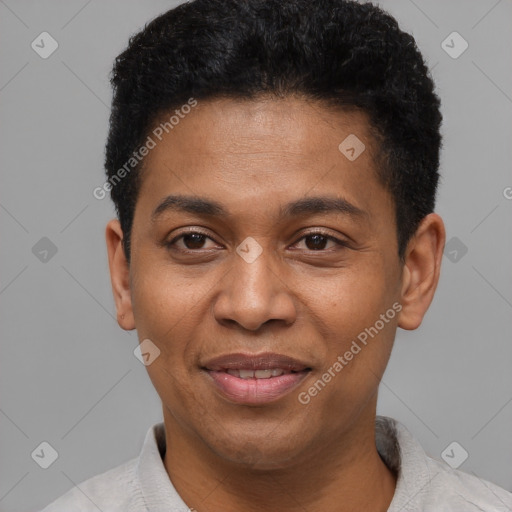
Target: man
[274,165]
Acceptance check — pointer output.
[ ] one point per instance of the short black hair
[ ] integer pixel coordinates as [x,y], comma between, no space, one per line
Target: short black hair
[343,53]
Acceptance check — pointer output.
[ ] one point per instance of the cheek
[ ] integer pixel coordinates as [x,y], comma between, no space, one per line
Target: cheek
[358,323]
[162,300]
[352,300]
[164,309]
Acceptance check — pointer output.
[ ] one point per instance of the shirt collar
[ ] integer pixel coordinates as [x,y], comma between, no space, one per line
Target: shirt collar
[157,489]
[396,446]
[403,454]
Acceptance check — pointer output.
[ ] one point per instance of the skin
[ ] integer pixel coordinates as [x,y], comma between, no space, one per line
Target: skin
[303,297]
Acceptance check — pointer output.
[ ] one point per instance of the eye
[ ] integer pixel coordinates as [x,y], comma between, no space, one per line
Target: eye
[317,241]
[191,241]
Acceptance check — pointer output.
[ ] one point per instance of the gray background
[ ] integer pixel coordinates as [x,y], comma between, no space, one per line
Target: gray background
[68,374]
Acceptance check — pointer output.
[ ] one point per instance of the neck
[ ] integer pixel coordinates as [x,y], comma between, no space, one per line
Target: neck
[346,474]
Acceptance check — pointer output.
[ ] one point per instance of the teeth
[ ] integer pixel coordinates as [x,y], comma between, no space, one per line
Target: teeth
[258,374]
[263,374]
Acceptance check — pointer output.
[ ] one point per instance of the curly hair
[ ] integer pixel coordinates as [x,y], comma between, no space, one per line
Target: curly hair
[346,54]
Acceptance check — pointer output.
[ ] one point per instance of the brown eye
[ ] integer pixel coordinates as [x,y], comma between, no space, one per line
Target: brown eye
[319,241]
[189,241]
[194,240]
[316,242]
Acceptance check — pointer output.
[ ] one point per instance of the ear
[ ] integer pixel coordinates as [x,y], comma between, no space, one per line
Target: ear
[421,271]
[119,275]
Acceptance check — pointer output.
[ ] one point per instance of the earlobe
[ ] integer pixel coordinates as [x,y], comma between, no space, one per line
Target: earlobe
[119,275]
[421,271]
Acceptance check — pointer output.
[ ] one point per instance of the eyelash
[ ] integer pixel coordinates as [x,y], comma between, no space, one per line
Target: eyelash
[170,244]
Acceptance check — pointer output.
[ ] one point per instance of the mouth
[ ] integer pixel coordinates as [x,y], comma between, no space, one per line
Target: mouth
[255,379]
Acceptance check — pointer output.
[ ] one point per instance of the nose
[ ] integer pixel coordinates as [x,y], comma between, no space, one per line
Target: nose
[255,293]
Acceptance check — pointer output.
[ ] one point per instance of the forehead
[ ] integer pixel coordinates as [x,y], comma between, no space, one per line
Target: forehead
[291,124]
[238,152]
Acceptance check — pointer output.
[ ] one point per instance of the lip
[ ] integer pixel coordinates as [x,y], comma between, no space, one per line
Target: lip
[254,391]
[262,361]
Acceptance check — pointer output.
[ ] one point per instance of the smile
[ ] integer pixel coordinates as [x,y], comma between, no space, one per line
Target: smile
[255,379]
[257,374]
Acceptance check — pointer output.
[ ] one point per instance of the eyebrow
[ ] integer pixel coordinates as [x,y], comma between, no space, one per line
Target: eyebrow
[189,204]
[321,204]
[209,208]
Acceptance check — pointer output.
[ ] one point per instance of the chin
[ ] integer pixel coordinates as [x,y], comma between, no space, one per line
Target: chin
[260,451]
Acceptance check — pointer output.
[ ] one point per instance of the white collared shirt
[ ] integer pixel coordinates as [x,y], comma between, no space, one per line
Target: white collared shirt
[423,484]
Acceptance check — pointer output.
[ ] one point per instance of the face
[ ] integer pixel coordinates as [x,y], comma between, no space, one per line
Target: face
[260,254]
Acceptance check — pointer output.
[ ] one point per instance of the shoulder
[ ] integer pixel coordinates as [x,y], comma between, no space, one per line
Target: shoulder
[452,490]
[112,491]
[431,485]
